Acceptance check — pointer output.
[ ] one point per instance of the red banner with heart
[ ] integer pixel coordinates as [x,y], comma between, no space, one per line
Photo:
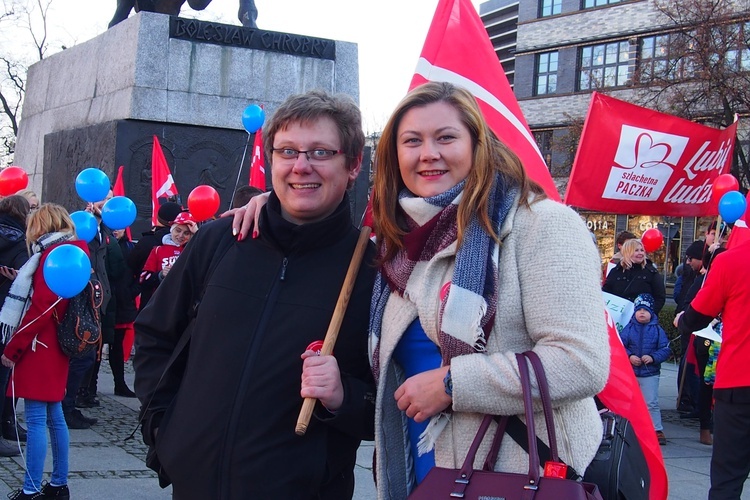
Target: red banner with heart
[634,160]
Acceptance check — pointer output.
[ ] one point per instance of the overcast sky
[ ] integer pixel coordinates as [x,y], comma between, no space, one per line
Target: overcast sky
[389,33]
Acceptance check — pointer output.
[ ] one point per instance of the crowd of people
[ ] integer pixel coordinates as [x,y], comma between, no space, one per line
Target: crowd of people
[230,319]
[53,386]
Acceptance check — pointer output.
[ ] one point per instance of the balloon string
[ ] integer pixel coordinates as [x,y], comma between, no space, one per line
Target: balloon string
[239,170]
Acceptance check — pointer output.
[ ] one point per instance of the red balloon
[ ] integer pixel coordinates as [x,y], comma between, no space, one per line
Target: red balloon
[203,202]
[12,180]
[652,239]
[722,185]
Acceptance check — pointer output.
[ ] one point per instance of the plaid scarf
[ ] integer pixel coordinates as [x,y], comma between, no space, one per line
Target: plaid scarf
[468,305]
[17,302]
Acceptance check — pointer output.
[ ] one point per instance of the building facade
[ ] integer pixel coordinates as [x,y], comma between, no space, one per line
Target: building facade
[557,52]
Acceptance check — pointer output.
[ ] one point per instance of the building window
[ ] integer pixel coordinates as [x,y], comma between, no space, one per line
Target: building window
[546,73]
[738,54]
[587,4]
[659,61]
[544,142]
[604,65]
[549,7]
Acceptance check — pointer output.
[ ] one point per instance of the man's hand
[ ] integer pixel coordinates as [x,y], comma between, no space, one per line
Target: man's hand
[677,318]
[321,380]
[423,395]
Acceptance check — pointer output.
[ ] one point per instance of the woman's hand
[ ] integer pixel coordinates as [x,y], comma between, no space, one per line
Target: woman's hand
[423,395]
[321,379]
[192,226]
[246,218]
[7,362]
[8,272]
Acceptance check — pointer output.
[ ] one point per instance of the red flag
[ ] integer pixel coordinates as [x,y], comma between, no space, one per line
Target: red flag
[458,50]
[633,160]
[623,396]
[257,164]
[119,190]
[162,183]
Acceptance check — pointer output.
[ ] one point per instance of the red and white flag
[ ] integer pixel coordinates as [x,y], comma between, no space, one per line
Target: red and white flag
[162,183]
[623,396]
[458,50]
[258,164]
[634,160]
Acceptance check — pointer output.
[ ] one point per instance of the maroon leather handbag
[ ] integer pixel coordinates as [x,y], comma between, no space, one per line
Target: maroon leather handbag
[486,484]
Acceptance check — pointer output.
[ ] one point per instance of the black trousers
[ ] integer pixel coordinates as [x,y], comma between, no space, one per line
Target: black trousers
[730,460]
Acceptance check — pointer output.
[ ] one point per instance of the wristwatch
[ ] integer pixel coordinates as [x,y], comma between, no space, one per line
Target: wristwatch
[448,383]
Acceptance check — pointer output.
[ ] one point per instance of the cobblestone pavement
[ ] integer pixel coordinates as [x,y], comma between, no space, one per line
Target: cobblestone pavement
[105,465]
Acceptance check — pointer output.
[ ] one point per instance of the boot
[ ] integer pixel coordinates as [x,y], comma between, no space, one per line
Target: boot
[13,432]
[8,449]
[706,437]
[124,391]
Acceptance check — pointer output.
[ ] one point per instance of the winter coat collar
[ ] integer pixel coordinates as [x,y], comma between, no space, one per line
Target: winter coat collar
[292,238]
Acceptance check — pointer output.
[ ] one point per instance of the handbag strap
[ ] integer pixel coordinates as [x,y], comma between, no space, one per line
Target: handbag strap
[528,407]
[543,385]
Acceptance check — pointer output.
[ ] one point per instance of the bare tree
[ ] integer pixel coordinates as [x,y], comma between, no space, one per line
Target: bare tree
[699,68]
[32,17]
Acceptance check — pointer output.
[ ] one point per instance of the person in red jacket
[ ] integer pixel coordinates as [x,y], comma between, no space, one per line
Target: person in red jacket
[39,367]
[162,258]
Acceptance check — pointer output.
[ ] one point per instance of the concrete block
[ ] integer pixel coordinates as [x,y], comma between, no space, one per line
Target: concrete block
[37,82]
[178,76]
[71,76]
[111,106]
[346,79]
[149,104]
[152,51]
[193,109]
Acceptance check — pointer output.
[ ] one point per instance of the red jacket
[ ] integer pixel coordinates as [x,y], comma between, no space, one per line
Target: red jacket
[41,370]
[161,257]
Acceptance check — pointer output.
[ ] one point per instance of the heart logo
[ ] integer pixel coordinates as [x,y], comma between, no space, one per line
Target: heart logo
[649,154]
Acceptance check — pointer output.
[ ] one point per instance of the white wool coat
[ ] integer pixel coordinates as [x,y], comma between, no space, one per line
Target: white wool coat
[549,300]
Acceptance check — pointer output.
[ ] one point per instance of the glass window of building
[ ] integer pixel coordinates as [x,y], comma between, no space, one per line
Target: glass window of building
[604,65]
[549,7]
[588,4]
[546,73]
[544,142]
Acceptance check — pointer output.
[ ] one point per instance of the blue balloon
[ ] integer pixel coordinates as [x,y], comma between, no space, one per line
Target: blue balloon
[92,185]
[253,118]
[66,270]
[732,206]
[85,225]
[119,212]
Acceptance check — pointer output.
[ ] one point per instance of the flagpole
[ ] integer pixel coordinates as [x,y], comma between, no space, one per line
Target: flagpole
[239,170]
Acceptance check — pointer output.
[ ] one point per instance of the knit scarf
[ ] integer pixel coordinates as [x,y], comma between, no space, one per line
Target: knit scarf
[469,301]
[17,302]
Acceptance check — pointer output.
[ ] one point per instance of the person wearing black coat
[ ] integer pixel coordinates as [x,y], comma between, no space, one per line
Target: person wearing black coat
[220,418]
[124,289]
[635,275]
[13,254]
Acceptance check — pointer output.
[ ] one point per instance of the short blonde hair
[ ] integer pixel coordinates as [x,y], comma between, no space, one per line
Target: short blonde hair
[48,218]
[628,250]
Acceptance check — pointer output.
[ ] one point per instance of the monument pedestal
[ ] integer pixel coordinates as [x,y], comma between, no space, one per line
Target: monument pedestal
[186,81]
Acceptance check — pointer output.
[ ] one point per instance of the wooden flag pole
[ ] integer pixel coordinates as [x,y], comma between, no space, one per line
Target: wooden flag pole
[338,316]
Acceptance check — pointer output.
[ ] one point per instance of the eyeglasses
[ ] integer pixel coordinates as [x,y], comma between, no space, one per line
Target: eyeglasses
[316,155]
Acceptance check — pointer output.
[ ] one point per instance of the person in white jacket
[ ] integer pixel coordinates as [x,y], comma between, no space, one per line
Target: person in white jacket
[476,265]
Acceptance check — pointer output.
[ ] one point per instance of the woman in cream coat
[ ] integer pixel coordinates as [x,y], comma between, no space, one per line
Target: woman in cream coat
[453,301]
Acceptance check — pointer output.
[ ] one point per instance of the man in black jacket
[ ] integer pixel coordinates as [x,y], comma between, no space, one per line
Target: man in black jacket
[220,414]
